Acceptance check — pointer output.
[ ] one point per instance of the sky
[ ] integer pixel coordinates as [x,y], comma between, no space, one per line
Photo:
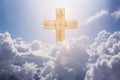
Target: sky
[30,52]
[24,18]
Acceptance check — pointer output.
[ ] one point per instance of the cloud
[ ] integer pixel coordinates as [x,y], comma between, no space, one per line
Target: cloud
[72,59]
[106,66]
[97,16]
[106,43]
[116,14]
[18,60]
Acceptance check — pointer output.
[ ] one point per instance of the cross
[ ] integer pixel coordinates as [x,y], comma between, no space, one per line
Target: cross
[60,24]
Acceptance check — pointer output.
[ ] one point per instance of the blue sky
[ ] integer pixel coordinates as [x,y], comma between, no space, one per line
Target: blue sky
[24,18]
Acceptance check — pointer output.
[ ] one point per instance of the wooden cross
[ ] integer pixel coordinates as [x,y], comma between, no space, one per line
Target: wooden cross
[60,24]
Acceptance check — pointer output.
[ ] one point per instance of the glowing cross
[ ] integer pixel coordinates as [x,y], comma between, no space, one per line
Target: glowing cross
[60,24]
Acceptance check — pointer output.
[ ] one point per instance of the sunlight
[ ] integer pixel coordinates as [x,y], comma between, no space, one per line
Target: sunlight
[35,12]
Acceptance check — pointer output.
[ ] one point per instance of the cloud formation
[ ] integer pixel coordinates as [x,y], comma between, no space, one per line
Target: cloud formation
[97,16]
[116,14]
[73,59]
[106,58]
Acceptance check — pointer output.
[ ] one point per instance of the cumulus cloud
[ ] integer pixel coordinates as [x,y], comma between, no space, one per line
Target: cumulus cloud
[106,66]
[72,59]
[18,60]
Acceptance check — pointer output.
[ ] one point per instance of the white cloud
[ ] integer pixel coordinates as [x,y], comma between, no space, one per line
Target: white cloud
[69,60]
[97,16]
[107,64]
[107,43]
[18,60]
[116,14]
[107,67]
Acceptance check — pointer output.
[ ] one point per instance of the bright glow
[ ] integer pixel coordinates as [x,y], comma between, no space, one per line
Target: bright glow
[36,11]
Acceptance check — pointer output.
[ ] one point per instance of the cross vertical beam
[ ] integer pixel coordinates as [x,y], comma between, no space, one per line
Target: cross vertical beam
[60,24]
